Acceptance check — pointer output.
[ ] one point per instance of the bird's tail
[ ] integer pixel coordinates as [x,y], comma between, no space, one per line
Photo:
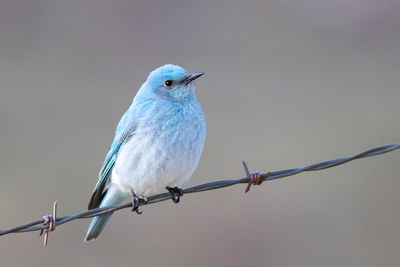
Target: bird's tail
[114,196]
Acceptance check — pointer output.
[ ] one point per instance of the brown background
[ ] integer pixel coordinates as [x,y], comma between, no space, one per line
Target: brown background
[287,83]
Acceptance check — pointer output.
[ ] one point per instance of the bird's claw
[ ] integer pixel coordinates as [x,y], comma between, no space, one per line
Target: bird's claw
[136,202]
[255,177]
[176,193]
[49,220]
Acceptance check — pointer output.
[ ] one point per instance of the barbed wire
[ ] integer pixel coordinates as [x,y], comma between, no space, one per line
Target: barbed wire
[48,223]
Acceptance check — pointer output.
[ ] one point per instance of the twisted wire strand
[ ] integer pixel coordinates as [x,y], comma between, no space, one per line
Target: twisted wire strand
[37,225]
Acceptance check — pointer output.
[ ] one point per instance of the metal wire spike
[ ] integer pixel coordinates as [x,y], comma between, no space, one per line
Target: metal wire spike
[49,220]
[255,177]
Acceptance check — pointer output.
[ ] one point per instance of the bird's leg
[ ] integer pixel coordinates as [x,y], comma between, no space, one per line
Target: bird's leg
[176,193]
[255,178]
[136,201]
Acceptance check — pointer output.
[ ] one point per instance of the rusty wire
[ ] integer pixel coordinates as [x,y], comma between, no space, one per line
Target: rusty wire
[48,224]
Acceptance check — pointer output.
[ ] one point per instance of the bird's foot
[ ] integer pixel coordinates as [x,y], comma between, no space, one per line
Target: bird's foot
[176,193]
[255,178]
[136,201]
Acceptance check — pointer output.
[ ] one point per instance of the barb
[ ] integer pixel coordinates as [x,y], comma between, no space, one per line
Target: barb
[49,222]
[255,178]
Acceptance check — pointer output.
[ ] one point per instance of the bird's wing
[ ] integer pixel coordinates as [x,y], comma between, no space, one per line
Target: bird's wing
[100,188]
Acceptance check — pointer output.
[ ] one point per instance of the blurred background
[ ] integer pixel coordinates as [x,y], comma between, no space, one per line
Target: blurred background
[287,83]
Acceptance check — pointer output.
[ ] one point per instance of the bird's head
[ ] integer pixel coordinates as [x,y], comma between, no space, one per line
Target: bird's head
[172,82]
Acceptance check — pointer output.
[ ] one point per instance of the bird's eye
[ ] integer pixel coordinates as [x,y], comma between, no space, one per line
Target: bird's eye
[168,83]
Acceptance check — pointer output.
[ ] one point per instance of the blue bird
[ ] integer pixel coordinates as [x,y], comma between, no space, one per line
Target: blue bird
[157,144]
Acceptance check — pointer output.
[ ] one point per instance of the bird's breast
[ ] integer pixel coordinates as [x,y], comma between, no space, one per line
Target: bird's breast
[164,151]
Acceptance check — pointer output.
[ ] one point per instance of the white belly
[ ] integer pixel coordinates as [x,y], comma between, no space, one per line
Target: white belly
[157,156]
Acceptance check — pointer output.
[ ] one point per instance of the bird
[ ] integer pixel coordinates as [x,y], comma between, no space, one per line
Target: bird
[157,144]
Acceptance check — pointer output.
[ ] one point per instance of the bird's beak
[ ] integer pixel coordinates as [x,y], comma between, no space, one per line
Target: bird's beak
[193,77]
